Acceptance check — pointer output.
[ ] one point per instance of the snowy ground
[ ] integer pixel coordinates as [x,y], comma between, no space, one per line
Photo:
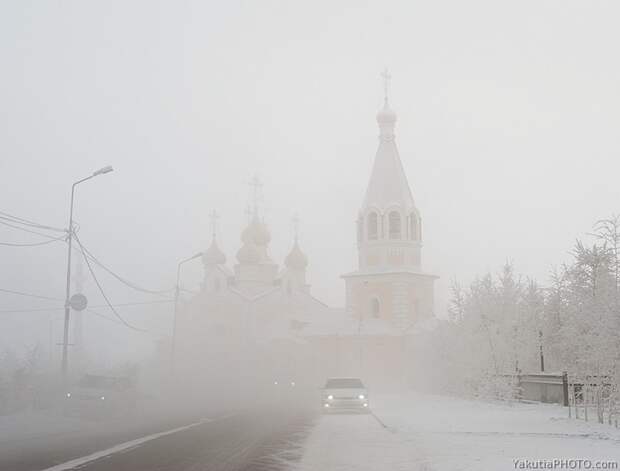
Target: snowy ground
[439,433]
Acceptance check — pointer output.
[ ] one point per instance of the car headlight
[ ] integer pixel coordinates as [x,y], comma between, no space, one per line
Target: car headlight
[68,394]
[330,397]
[103,398]
[361,396]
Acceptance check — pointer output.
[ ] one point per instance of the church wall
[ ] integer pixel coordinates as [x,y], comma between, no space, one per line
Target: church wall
[421,298]
[362,294]
[377,359]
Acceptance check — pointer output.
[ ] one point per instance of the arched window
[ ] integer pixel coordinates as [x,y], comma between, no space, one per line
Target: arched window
[413,227]
[373,226]
[375,308]
[395,226]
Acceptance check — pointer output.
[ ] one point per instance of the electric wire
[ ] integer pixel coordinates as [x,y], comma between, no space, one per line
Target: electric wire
[34,244]
[121,279]
[30,231]
[90,269]
[29,295]
[26,222]
[44,309]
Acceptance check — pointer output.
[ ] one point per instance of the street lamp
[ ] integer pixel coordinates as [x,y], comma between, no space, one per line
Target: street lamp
[176,306]
[65,341]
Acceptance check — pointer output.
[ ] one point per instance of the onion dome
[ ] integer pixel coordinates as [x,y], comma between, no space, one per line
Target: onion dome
[256,233]
[296,259]
[248,253]
[262,236]
[213,255]
[386,115]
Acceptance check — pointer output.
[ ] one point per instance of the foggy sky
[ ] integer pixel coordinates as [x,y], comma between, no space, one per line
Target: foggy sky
[508,118]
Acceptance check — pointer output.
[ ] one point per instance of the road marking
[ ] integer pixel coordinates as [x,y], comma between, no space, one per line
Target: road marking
[127,445]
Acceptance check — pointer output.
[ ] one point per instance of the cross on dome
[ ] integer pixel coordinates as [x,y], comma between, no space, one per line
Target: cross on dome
[214,216]
[386,84]
[255,187]
[295,222]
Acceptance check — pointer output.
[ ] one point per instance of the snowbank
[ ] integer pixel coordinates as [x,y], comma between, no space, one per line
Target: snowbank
[440,433]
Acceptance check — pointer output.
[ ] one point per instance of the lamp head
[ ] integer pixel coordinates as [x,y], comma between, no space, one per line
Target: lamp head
[104,170]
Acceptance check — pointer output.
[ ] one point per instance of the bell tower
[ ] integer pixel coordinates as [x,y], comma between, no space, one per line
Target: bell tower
[389,282]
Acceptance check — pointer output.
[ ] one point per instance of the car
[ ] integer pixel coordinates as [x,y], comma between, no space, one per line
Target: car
[345,395]
[99,395]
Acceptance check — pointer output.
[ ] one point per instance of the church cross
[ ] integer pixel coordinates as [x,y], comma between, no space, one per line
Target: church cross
[386,83]
[214,217]
[248,213]
[255,185]
[296,226]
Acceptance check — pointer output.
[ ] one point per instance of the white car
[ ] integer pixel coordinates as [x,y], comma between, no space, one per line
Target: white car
[345,394]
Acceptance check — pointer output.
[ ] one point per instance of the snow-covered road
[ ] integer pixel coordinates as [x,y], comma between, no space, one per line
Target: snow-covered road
[441,433]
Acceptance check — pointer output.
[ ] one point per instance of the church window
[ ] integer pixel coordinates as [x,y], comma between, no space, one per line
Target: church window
[375,308]
[413,230]
[373,226]
[395,226]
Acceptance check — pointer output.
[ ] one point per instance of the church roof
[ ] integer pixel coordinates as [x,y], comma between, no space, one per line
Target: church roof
[388,183]
[213,255]
[296,259]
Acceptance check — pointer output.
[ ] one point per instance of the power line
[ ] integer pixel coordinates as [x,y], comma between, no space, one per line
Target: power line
[120,278]
[103,316]
[29,295]
[29,231]
[45,309]
[26,222]
[34,244]
[90,269]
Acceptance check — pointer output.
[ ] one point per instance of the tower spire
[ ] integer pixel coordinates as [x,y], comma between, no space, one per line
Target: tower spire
[214,216]
[255,186]
[295,222]
[386,86]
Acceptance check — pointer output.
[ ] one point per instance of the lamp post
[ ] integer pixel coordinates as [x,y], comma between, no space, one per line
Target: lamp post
[65,341]
[177,289]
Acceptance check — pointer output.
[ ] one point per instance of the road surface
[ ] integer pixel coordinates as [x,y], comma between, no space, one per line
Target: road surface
[249,440]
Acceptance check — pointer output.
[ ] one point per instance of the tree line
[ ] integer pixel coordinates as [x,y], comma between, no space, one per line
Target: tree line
[505,324]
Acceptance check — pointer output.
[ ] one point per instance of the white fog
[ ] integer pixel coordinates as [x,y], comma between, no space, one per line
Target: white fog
[403,209]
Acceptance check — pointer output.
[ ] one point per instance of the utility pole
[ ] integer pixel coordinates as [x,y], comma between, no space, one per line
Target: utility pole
[177,290]
[65,339]
[542,356]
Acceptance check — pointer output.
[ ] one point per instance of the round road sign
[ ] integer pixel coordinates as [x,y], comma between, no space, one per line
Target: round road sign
[78,302]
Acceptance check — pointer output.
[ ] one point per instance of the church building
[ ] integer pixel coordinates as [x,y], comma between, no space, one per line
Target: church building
[257,316]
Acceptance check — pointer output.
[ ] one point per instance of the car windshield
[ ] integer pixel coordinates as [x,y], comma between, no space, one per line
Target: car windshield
[343,383]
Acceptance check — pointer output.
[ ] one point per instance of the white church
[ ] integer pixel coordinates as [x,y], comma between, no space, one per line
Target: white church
[265,313]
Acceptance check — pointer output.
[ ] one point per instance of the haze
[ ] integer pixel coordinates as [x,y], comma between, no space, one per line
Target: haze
[508,119]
